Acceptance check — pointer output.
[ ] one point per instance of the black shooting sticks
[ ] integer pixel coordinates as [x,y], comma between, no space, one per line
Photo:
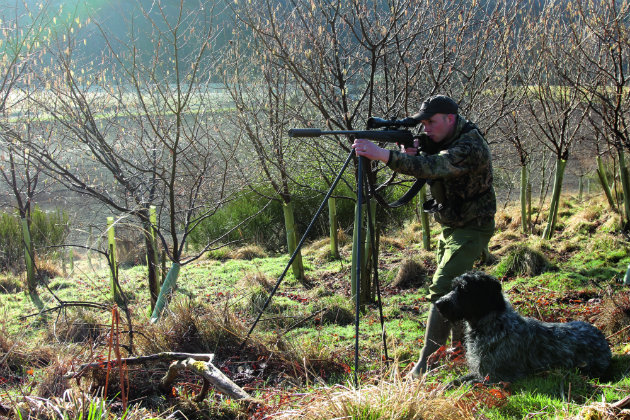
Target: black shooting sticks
[362,180]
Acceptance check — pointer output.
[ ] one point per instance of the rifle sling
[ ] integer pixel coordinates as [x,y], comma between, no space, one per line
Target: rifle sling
[411,193]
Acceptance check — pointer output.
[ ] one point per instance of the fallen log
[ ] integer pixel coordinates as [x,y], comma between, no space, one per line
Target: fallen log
[200,364]
[209,373]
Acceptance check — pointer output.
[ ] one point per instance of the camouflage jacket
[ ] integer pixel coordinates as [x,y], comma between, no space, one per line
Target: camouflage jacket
[459,172]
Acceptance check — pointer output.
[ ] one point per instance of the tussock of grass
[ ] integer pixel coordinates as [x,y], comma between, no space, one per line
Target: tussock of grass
[585,221]
[47,270]
[53,382]
[256,298]
[9,284]
[254,279]
[501,242]
[410,274]
[77,327]
[248,253]
[411,233]
[508,218]
[320,249]
[318,246]
[613,223]
[193,328]
[388,242]
[222,253]
[399,400]
[75,405]
[614,318]
[337,310]
[16,357]
[522,260]
[605,411]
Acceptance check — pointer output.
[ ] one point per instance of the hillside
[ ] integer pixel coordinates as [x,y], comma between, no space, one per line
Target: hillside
[299,360]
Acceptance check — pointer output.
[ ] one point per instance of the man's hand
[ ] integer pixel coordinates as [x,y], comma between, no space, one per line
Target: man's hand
[411,151]
[367,149]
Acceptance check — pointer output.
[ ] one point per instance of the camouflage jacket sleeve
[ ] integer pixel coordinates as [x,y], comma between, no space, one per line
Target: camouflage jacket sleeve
[464,155]
[459,176]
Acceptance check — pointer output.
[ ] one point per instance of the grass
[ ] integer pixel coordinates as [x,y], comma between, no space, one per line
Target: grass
[299,360]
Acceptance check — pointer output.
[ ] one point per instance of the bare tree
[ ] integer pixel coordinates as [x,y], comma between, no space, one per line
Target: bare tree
[598,54]
[266,102]
[139,130]
[557,110]
[22,34]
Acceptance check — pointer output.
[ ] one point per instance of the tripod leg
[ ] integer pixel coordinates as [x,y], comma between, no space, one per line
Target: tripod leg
[299,246]
[372,236]
[357,290]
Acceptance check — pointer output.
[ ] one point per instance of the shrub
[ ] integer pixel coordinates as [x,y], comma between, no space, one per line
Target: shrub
[48,229]
[11,250]
[267,227]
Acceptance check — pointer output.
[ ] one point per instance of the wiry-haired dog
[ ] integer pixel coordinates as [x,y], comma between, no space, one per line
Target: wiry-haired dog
[501,345]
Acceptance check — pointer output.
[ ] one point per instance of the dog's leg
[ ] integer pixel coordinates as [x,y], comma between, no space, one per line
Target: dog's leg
[471,378]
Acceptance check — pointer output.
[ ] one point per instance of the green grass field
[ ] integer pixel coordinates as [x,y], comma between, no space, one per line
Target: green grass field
[299,361]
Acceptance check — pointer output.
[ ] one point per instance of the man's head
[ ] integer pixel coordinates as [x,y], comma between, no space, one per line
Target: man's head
[438,115]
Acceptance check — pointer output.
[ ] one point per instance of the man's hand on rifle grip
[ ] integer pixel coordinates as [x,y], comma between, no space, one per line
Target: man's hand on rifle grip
[411,151]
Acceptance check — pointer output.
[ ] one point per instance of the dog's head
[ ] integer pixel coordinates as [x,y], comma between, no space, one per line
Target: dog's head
[474,296]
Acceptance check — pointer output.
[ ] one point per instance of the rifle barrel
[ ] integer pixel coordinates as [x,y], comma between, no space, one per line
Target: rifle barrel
[395,136]
[316,132]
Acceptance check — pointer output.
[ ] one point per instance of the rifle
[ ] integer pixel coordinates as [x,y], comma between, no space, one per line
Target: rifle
[391,133]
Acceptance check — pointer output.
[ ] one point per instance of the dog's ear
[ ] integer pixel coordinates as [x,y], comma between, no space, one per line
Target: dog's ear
[496,299]
[495,286]
[480,295]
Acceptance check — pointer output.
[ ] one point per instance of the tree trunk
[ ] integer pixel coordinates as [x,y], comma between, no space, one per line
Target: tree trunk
[555,199]
[529,205]
[113,264]
[152,268]
[153,257]
[289,224]
[625,184]
[524,225]
[31,282]
[543,175]
[603,180]
[332,221]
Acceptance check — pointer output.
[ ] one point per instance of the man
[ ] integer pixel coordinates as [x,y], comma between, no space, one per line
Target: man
[455,160]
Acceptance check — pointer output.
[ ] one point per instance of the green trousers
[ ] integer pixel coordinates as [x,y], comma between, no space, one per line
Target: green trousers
[458,249]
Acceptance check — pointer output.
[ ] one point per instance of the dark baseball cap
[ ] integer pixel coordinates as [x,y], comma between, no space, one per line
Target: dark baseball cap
[439,104]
